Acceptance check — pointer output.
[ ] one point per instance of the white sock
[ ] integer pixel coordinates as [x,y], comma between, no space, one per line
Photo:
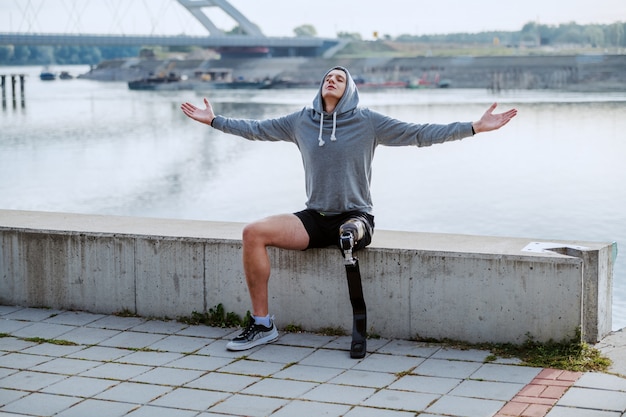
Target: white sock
[264,321]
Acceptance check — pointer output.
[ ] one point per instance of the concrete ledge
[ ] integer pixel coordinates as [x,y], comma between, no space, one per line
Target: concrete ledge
[469,288]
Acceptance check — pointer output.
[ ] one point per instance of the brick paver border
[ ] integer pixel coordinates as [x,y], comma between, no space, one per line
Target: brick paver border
[540,395]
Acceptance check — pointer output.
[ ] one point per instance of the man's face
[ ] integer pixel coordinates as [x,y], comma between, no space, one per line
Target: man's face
[334,85]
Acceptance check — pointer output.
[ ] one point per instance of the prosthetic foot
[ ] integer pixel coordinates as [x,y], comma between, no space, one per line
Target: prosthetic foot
[350,233]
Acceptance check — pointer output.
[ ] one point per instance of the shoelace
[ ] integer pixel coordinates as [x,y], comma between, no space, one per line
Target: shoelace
[248,329]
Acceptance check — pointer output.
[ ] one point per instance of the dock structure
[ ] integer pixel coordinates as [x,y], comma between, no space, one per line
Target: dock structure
[3,86]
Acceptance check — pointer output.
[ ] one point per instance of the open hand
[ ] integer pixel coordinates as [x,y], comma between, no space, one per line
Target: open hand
[490,121]
[205,115]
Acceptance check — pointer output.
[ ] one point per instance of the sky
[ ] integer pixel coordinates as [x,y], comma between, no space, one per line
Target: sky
[280,17]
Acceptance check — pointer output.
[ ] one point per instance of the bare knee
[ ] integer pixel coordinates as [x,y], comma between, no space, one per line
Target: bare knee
[252,234]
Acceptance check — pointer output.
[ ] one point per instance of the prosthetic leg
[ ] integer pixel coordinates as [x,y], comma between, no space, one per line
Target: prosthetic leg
[349,234]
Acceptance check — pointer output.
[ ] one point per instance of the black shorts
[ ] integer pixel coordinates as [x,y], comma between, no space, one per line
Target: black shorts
[323,229]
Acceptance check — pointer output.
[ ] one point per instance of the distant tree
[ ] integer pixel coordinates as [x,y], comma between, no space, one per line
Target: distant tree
[616,34]
[237,30]
[570,33]
[594,35]
[6,54]
[21,55]
[67,55]
[349,35]
[304,31]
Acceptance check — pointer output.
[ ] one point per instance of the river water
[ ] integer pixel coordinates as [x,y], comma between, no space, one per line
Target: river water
[555,172]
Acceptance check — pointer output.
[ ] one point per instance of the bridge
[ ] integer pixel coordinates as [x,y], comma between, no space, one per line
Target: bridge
[248,35]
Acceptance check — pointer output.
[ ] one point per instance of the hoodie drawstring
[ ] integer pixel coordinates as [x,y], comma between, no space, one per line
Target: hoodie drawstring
[332,135]
[320,139]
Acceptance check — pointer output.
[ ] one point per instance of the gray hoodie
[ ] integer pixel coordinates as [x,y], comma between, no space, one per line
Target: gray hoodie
[337,149]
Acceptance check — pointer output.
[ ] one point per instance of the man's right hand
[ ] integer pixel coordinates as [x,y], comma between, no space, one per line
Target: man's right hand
[205,115]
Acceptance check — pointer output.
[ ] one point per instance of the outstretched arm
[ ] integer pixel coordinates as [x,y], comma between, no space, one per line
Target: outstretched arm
[205,115]
[490,121]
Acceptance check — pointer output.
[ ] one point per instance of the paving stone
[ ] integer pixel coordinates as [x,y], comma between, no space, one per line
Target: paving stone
[329,358]
[282,354]
[305,340]
[470,355]
[191,399]
[117,323]
[49,349]
[41,405]
[200,363]
[408,348]
[278,388]
[307,408]
[12,344]
[559,411]
[117,371]
[150,411]
[181,344]
[205,332]
[168,376]
[133,340]
[447,369]
[240,405]
[594,399]
[151,358]
[9,395]
[218,348]
[43,330]
[29,381]
[65,366]
[99,353]
[80,386]
[364,379]
[130,392]
[4,372]
[74,318]
[343,343]
[22,361]
[31,314]
[465,407]
[506,373]
[223,382]
[388,363]
[9,309]
[160,327]
[601,381]
[9,326]
[339,394]
[377,412]
[253,368]
[89,335]
[400,400]
[308,373]
[503,391]
[105,409]
[425,384]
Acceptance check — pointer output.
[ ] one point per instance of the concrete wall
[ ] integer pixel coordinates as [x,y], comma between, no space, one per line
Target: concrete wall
[469,288]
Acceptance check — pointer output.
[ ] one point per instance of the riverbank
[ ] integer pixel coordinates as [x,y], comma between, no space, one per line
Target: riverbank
[571,73]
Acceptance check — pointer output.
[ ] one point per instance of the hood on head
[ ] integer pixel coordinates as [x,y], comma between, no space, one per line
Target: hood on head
[350,99]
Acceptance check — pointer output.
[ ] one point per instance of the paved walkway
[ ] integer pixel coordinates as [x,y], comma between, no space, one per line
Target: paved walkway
[128,366]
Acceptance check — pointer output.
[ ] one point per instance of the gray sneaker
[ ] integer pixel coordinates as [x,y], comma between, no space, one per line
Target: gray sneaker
[253,335]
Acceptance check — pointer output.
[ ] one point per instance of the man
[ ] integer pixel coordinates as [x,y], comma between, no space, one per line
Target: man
[337,140]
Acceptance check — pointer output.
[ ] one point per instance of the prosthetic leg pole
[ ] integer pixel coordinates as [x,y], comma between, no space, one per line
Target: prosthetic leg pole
[350,233]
